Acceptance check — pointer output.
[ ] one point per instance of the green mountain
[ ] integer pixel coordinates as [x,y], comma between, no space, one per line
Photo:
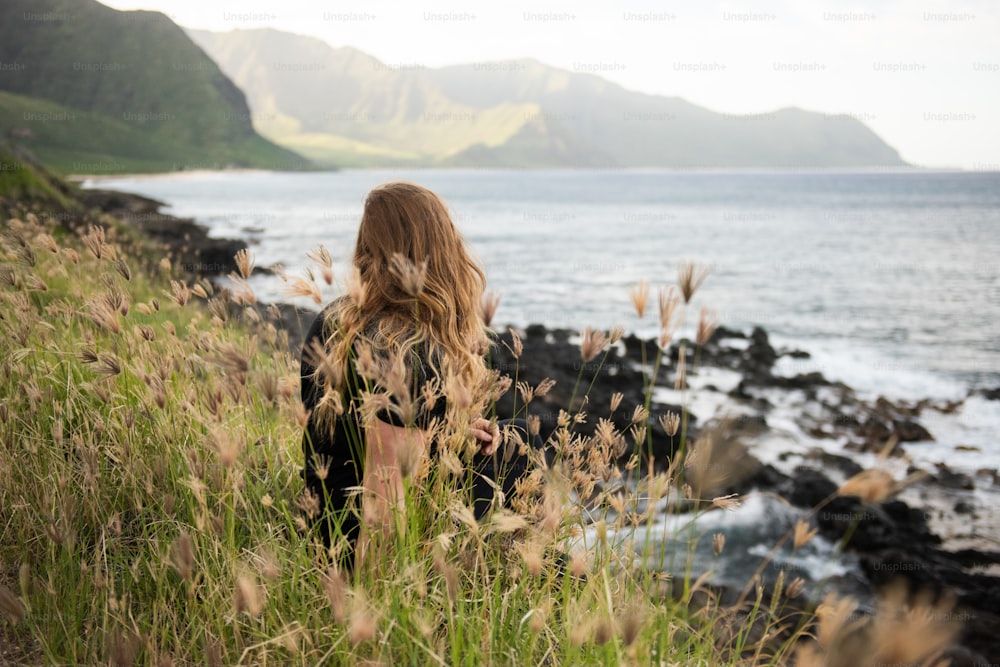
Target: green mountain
[89,89]
[342,106]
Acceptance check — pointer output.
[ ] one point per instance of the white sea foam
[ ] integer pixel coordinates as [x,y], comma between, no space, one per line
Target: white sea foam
[682,544]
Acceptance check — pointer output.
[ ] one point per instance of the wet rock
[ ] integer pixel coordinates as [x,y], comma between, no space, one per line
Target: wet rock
[843,464]
[809,487]
[760,356]
[964,507]
[950,479]
[722,332]
[990,394]
[874,527]
[547,353]
[910,431]
[190,247]
[767,477]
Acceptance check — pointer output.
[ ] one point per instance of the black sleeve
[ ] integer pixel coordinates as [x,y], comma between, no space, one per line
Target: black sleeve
[309,389]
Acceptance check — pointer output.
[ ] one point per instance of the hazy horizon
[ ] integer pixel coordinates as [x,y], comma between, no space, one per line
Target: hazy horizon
[925,76]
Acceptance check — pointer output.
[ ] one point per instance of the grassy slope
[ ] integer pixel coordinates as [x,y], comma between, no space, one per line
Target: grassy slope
[154,98]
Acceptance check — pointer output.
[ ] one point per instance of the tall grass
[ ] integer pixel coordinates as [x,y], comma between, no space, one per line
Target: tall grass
[152,512]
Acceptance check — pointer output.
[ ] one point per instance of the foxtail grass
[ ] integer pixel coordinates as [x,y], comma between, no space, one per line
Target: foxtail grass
[152,512]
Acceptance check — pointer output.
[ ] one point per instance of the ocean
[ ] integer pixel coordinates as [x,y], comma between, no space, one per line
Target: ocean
[889,279]
[892,279]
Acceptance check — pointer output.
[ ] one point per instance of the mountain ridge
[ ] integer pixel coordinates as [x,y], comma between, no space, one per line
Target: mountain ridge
[344,105]
[134,75]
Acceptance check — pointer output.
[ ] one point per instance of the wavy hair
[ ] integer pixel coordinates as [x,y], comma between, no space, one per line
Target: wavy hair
[415,286]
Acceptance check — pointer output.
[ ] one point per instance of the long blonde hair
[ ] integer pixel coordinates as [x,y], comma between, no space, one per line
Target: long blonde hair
[415,285]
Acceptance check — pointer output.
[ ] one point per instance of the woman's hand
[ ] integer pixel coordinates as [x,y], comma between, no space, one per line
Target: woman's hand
[487,434]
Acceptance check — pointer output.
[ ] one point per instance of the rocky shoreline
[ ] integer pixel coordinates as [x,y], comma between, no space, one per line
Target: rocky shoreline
[893,539]
[193,251]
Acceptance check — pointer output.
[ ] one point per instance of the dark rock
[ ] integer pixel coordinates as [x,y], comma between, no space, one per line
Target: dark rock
[767,477]
[747,425]
[190,247]
[874,527]
[964,507]
[842,463]
[723,332]
[974,558]
[809,487]
[910,431]
[801,381]
[991,394]
[760,356]
[548,354]
[950,479]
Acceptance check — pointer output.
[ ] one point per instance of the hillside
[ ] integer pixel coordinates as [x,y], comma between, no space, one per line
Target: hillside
[342,105]
[92,89]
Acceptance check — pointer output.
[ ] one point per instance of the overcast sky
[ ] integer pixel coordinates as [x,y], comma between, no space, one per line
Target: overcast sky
[924,74]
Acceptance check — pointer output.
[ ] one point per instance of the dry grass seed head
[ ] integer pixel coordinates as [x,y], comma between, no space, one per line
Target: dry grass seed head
[532,553]
[632,620]
[121,266]
[707,324]
[182,555]
[730,502]
[8,276]
[180,293]
[308,502]
[670,422]
[544,387]
[795,588]
[910,628]
[680,378]
[516,346]
[362,627]
[488,307]
[803,534]
[690,276]
[449,573]
[871,486]
[94,241]
[639,293]
[301,287]
[411,276]
[336,590]
[10,605]
[668,301]
[248,597]
[104,316]
[322,258]
[592,343]
[244,262]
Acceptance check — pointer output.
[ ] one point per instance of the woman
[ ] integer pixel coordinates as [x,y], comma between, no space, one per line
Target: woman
[394,370]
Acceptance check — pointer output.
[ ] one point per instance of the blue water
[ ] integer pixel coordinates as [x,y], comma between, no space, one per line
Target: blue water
[891,278]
